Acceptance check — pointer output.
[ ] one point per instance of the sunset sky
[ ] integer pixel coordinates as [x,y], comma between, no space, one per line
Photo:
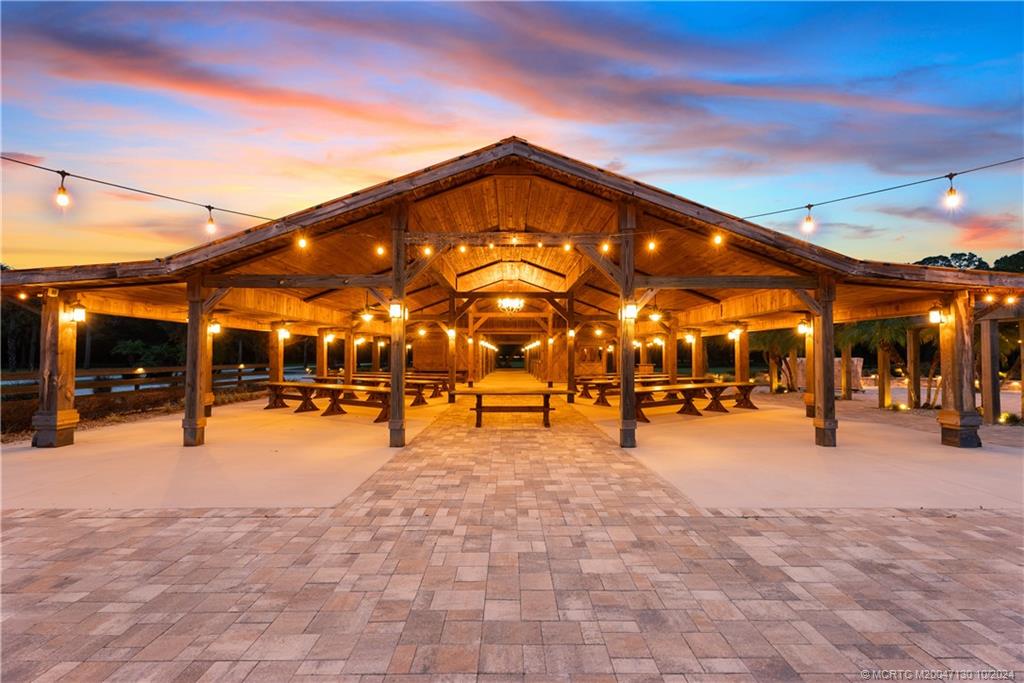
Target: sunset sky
[270,108]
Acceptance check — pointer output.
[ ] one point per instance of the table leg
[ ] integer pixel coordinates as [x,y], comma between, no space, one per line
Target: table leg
[385,409]
[602,398]
[585,391]
[743,399]
[479,411]
[274,398]
[716,400]
[307,404]
[334,407]
[547,411]
[436,393]
[420,399]
[689,407]
[640,416]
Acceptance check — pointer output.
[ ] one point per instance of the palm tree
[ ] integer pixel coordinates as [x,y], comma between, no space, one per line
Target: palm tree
[775,346]
[877,335]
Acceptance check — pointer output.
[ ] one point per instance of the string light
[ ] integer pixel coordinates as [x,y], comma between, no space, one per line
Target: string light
[990,297]
[717,239]
[380,250]
[62,198]
[540,245]
[567,247]
[952,200]
[1011,299]
[422,331]
[598,332]
[462,248]
[303,243]
[490,245]
[807,227]
[605,247]
[651,245]
[211,226]
[22,295]
[428,250]
[515,240]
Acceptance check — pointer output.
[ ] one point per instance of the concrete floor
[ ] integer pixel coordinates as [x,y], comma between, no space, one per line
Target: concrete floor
[743,459]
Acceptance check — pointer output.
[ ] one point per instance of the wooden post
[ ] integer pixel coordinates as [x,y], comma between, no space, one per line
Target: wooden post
[884,383]
[698,362]
[627,329]
[825,423]
[741,347]
[472,349]
[990,404]
[846,372]
[809,374]
[350,356]
[549,358]
[208,375]
[958,419]
[396,423]
[197,366]
[275,360]
[670,353]
[773,374]
[914,367]
[793,357]
[452,351]
[1020,347]
[644,355]
[322,351]
[570,348]
[375,355]
[55,419]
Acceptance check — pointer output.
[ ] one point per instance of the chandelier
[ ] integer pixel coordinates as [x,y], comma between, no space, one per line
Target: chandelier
[511,304]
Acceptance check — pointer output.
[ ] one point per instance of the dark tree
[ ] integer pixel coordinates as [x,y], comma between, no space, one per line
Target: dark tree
[1011,263]
[961,260]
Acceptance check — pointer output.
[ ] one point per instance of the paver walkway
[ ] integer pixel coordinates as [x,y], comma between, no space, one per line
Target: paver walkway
[506,552]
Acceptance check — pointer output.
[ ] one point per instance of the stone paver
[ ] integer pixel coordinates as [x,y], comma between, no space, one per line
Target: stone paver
[508,552]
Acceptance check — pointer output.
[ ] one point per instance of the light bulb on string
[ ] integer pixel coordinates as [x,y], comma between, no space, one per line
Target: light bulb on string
[62,197]
[211,226]
[952,198]
[807,226]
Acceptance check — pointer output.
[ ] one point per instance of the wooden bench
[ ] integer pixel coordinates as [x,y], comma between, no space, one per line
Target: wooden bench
[605,387]
[337,394]
[685,394]
[545,408]
[588,382]
[413,387]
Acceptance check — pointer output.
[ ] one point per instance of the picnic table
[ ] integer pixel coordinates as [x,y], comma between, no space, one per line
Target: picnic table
[606,386]
[544,394]
[588,382]
[685,394]
[337,394]
[413,387]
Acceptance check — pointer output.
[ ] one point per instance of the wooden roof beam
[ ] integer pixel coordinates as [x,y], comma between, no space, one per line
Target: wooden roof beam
[256,281]
[726,282]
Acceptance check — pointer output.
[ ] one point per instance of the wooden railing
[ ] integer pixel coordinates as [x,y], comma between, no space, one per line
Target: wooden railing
[107,380]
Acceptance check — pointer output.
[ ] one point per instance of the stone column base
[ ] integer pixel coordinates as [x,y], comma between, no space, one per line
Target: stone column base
[397,437]
[960,430]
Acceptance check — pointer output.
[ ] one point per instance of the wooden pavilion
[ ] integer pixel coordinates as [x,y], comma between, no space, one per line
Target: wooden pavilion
[583,247]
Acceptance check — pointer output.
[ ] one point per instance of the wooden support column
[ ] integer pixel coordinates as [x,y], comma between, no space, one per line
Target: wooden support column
[990,403]
[322,351]
[627,328]
[914,367]
[825,422]
[846,372]
[350,356]
[698,360]
[452,357]
[644,352]
[472,350]
[396,423]
[741,347]
[793,358]
[773,374]
[208,373]
[958,418]
[374,355]
[570,347]
[670,352]
[55,419]
[549,358]
[884,379]
[809,374]
[197,366]
[275,356]
[1020,347]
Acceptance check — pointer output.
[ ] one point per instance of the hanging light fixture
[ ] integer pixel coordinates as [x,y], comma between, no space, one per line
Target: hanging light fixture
[807,227]
[511,304]
[803,327]
[62,197]
[367,314]
[952,198]
[78,313]
[451,332]
[598,332]
[655,314]
[422,331]
[211,226]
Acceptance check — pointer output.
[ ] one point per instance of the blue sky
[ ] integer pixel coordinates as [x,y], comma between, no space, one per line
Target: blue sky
[272,107]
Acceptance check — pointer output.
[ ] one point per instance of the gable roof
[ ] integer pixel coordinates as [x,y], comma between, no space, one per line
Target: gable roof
[338,213]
